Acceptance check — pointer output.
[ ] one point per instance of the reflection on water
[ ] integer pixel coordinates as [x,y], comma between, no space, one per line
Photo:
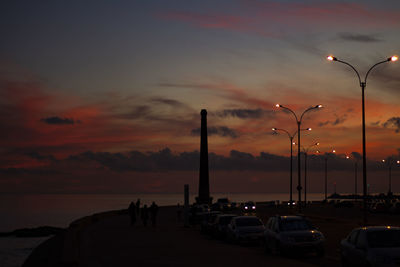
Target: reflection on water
[32,210]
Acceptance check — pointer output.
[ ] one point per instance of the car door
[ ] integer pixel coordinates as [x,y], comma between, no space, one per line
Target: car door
[360,249]
[348,247]
[268,232]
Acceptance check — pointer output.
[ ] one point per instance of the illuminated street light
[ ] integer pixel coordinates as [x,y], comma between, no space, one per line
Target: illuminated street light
[305,152]
[291,159]
[363,84]
[326,170]
[390,163]
[355,174]
[298,121]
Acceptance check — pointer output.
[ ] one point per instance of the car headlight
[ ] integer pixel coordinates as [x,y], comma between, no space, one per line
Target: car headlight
[254,207]
[317,236]
[246,208]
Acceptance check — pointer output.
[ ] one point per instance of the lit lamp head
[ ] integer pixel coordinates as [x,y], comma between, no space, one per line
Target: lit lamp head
[393,58]
[383,160]
[333,151]
[347,157]
[308,129]
[318,106]
[274,129]
[398,162]
[278,105]
[331,58]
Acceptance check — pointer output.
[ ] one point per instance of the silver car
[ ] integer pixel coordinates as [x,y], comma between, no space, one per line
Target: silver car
[292,234]
[245,229]
[371,246]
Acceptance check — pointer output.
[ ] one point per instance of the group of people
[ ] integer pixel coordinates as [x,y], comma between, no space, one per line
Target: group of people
[145,213]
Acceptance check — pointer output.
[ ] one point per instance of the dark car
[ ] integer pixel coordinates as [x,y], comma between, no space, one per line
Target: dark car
[371,246]
[249,206]
[221,225]
[294,234]
[245,229]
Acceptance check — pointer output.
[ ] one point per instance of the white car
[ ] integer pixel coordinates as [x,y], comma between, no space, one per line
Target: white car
[245,229]
[371,246]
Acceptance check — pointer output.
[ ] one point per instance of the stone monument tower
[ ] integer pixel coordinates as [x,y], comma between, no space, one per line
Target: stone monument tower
[204,187]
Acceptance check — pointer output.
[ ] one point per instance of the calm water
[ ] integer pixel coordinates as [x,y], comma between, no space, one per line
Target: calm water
[19,211]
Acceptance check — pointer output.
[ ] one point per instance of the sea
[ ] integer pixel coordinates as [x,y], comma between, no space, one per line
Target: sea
[59,210]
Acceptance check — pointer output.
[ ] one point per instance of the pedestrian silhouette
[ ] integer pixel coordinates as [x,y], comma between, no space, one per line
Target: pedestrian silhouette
[145,215]
[132,213]
[153,213]
[138,207]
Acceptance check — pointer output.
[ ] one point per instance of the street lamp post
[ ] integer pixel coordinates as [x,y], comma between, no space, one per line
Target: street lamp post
[355,176]
[363,84]
[305,151]
[390,162]
[291,137]
[326,172]
[298,121]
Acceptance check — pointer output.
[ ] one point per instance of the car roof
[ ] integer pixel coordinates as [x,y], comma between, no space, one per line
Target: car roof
[290,217]
[379,228]
[241,217]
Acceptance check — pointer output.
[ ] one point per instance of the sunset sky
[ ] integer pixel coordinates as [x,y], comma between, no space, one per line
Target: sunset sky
[105,96]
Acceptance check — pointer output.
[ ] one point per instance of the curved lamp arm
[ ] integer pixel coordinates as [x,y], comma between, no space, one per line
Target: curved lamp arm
[384,61]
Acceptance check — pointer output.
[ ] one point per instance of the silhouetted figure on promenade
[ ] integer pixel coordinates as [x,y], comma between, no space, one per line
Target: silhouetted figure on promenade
[138,207]
[153,213]
[132,213]
[145,215]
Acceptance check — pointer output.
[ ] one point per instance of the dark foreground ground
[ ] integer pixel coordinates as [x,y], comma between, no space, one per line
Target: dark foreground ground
[107,239]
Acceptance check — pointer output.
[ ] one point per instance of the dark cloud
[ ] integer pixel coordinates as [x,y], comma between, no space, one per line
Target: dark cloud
[37,156]
[165,160]
[244,113]
[170,102]
[135,113]
[363,38]
[217,130]
[393,122]
[58,121]
[337,121]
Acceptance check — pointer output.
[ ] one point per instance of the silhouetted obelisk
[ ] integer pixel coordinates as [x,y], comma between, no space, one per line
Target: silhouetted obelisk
[204,187]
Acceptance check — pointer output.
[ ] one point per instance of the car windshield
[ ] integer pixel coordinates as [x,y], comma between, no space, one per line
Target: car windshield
[248,222]
[295,225]
[225,220]
[384,238]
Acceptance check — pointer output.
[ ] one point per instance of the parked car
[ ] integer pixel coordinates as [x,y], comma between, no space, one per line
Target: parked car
[379,207]
[224,203]
[221,225]
[371,246]
[292,234]
[249,206]
[245,229]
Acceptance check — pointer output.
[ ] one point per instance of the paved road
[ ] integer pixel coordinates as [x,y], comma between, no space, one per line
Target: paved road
[113,242]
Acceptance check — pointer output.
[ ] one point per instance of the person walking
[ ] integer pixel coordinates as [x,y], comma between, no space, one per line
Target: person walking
[138,207]
[153,213]
[132,213]
[145,215]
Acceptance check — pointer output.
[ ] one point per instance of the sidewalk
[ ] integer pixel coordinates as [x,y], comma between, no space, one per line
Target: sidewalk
[112,241]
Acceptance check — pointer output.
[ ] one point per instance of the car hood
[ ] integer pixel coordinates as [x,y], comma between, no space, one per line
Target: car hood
[251,229]
[301,233]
